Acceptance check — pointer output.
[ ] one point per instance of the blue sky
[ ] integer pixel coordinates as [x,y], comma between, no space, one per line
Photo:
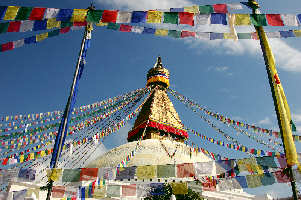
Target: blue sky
[225,76]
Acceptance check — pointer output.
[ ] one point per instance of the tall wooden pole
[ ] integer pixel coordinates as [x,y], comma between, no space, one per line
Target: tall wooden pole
[87,34]
[263,41]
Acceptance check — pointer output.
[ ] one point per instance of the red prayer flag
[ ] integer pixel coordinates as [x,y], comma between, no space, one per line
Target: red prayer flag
[187,34]
[5,160]
[109,16]
[186,18]
[129,190]
[209,185]
[79,23]
[7,46]
[220,8]
[274,20]
[125,28]
[65,30]
[58,191]
[37,14]
[281,177]
[14,26]
[185,170]
[88,174]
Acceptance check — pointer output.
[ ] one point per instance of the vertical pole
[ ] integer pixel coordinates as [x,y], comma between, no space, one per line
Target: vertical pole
[87,34]
[259,29]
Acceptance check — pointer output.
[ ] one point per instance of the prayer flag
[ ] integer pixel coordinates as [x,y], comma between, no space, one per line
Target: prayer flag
[220,8]
[185,170]
[286,34]
[51,13]
[253,180]
[113,26]
[18,43]
[126,173]
[137,29]
[66,24]
[58,191]
[171,17]
[26,175]
[176,9]
[40,25]
[174,33]
[235,6]
[37,14]
[138,16]
[215,36]
[267,179]
[94,16]
[14,26]
[289,20]
[179,188]
[146,172]
[109,16]
[26,26]
[161,32]
[273,34]
[124,17]
[154,16]
[42,36]
[242,19]
[281,177]
[244,35]
[2,11]
[71,175]
[79,15]
[88,174]
[242,181]
[129,190]
[186,18]
[113,191]
[218,18]
[54,174]
[65,30]
[192,9]
[23,13]
[166,171]
[125,28]
[148,31]
[6,47]
[187,34]
[4,27]
[209,185]
[202,35]
[157,189]
[52,23]
[202,19]
[64,15]
[274,20]
[258,19]
[299,18]
[206,9]
[52,34]
[11,12]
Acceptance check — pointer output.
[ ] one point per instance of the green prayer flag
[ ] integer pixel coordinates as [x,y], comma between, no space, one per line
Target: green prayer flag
[166,171]
[171,17]
[113,26]
[258,19]
[206,9]
[254,180]
[113,191]
[267,179]
[4,27]
[244,35]
[174,33]
[53,33]
[94,16]
[66,24]
[71,175]
[23,13]
[293,126]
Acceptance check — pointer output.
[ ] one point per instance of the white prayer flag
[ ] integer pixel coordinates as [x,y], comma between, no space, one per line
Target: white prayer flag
[124,17]
[18,43]
[235,6]
[202,19]
[202,36]
[137,29]
[51,13]
[26,25]
[273,34]
[289,19]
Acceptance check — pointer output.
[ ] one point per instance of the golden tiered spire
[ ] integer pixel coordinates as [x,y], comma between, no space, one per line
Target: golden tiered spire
[158,116]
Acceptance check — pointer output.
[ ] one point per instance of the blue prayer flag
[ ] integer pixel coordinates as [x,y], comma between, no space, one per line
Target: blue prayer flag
[218,18]
[286,34]
[215,36]
[2,11]
[299,17]
[149,31]
[83,192]
[157,189]
[40,25]
[138,16]
[64,15]
[30,40]
[177,10]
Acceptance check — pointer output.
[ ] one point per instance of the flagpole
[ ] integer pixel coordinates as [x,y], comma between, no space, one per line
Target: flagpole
[281,116]
[87,33]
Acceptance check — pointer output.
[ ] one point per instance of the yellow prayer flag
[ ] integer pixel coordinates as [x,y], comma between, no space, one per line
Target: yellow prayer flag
[161,32]
[52,23]
[41,37]
[297,33]
[54,174]
[242,19]
[79,15]
[154,16]
[102,24]
[179,188]
[280,98]
[229,36]
[192,9]
[31,156]
[21,158]
[146,172]
[42,153]
[11,12]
